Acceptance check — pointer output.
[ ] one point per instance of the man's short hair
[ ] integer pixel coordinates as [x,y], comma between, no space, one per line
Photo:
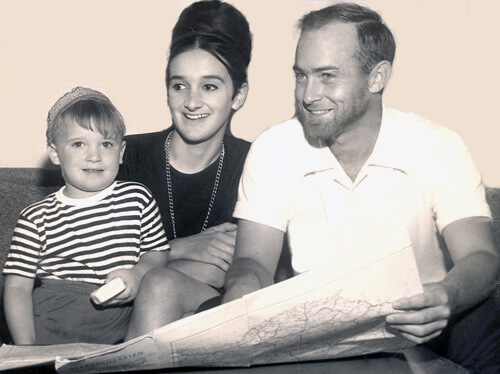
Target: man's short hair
[376,42]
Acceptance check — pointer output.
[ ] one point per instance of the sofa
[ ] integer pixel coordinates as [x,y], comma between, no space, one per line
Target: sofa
[20,187]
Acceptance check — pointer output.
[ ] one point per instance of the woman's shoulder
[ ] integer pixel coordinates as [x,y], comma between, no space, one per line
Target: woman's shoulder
[236,145]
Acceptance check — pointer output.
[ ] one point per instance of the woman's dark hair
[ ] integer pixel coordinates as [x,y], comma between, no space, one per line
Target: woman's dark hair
[219,29]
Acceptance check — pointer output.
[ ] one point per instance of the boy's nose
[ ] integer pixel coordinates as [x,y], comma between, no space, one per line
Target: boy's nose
[93,154]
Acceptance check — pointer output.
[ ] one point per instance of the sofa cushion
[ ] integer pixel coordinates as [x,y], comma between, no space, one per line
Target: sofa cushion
[20,187]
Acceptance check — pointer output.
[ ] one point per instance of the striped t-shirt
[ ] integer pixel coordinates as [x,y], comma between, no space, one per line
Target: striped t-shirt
[86,239]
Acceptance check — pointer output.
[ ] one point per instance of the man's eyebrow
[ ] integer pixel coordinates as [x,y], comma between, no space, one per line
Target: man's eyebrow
[318,69]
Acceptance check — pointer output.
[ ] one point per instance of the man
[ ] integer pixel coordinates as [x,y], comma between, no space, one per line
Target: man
[346,167]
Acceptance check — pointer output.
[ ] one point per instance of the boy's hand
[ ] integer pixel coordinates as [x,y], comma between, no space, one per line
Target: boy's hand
[132,280]
[108,291]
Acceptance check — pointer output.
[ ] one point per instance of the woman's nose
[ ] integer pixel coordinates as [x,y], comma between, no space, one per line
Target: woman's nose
[193,100]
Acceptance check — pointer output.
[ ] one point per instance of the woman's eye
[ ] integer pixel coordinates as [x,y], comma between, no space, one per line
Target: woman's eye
[178,86]
[210,87]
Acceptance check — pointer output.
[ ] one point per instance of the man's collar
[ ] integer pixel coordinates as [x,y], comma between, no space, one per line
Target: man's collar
[389,150]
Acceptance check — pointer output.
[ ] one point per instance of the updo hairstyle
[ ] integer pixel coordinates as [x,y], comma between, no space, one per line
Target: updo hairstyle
[219,29]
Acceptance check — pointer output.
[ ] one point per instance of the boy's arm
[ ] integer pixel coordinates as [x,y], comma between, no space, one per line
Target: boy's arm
[18,305]
[258,249]
[133,277]
[155,251]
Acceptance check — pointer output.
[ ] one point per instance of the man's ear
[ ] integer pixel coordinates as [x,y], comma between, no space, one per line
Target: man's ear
[54,157]
[379,77]
[122,150]
[240,97]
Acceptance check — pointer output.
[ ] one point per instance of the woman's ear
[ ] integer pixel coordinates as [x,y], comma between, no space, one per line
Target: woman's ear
[54,157]
[240,97]
[379,77]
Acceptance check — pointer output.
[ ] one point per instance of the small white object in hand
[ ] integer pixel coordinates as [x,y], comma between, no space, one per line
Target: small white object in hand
[108,291]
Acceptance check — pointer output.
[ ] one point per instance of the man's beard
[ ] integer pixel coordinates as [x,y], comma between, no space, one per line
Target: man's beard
[319,132]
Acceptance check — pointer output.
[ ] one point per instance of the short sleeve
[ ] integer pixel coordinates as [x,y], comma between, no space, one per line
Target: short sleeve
[456,184]
[25,249]
[264,185]
[153,237]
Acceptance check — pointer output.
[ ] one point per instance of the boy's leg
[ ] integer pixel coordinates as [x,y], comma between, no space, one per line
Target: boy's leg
[165,296]
[64,313]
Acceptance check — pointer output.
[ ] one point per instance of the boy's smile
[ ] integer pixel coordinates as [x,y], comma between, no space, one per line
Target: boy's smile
[89,161]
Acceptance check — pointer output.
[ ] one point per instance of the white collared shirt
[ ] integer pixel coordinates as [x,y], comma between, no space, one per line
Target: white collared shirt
[419,178]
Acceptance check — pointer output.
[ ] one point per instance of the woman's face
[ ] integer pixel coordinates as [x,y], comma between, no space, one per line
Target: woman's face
[200,96]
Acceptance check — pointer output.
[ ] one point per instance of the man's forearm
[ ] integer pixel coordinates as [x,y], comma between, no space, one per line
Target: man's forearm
[471,280]
[245,276]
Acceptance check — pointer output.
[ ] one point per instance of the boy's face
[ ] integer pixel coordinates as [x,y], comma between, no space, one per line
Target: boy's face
[89,162]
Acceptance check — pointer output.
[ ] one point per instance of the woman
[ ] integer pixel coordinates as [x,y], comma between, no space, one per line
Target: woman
[193,168]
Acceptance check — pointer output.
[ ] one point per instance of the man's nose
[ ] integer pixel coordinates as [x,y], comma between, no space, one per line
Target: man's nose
[313,91]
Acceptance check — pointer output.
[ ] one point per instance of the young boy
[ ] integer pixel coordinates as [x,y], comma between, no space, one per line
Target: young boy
[91,231]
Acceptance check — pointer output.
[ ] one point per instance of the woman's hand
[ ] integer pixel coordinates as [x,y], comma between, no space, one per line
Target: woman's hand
[213,246]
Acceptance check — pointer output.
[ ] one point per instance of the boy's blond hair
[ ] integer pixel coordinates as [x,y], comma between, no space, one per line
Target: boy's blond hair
[89,109]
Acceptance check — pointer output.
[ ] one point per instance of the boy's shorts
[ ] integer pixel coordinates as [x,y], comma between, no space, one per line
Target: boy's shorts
[64,313]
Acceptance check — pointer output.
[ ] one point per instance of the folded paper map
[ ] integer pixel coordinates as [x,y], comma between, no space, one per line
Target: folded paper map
[334,311]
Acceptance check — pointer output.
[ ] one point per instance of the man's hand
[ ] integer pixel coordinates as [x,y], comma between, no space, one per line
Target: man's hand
[424,316]
[213,246]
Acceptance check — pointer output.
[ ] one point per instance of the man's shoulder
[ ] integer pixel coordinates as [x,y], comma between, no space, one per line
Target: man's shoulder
[414,122]
[284,133]
[418,129]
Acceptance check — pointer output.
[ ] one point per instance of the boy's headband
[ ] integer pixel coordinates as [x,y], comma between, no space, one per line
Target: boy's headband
[68,99]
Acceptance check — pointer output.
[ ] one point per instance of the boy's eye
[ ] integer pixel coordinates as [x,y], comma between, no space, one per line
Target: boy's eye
[77,144]
[107,144]
[210,87]
[178,86]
